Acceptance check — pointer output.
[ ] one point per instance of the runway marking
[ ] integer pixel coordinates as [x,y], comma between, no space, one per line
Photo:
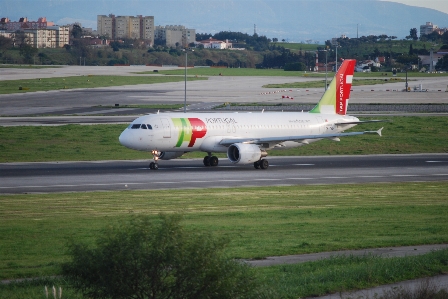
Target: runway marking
[65,185]
[405,175]
[335,177]
[303,164]
[371,176]
[436,161]
[267,179]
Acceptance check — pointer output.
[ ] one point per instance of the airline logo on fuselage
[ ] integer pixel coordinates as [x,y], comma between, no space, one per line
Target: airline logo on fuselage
[189,130]
[219,120]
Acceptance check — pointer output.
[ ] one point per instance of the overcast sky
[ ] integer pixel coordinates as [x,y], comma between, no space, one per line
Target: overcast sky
[440,5]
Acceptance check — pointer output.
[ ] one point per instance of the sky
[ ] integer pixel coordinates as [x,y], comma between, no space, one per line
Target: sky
[440,5]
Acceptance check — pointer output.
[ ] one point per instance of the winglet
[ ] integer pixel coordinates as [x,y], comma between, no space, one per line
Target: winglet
[379,131]
[374,132]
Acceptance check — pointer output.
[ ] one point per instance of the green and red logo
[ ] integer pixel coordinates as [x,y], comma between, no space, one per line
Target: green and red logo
[190,129]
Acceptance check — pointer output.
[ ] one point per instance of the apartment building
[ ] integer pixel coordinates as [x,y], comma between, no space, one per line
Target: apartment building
[121,27]
[429,28]
[23,23]
[39,34]
[50,37]
[175,35]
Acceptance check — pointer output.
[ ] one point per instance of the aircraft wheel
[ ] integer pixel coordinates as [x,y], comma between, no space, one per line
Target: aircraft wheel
[213,161]
[264,164]
[257,165]
[206,161]
[151,165]
[156,166]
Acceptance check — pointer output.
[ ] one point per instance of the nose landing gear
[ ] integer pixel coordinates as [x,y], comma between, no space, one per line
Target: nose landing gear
[155,156]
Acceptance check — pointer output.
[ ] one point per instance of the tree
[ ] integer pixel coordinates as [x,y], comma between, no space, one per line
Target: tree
[295,66]
[143,259]
[442,63]
[76,31]
[5,43]
[412,34]
[28,52]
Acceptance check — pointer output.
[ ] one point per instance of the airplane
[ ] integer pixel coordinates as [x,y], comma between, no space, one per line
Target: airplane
[245,137]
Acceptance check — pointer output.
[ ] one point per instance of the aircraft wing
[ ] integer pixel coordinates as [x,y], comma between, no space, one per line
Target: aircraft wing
[300,138]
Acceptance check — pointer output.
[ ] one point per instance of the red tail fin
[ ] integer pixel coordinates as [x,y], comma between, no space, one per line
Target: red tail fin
[344,81]
[334,100]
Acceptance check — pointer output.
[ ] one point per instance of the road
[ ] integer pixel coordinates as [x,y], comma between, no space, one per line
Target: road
[19,178]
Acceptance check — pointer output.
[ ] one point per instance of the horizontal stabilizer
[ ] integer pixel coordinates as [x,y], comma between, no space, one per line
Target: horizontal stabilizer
[360,122]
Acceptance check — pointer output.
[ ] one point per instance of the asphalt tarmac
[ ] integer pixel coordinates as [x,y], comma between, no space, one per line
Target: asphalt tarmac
[20,178]
[216,90]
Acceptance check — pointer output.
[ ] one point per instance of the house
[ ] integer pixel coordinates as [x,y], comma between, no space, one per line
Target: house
[212,43]
[365,66]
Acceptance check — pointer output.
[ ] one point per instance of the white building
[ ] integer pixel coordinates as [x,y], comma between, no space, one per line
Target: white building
[428,28]
[215,44]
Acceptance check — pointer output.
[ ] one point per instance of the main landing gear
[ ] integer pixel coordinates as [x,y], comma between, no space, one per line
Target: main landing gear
[210,160]
[155,156]
[263,164]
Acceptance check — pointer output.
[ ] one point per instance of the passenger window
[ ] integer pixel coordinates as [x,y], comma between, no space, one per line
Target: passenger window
[135,126]
[143,126]
[149,127]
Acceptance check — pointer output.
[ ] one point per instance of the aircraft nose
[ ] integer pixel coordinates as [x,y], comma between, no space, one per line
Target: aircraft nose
[125,139]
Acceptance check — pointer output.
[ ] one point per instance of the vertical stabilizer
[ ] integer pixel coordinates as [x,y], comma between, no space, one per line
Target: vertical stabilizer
[335,99]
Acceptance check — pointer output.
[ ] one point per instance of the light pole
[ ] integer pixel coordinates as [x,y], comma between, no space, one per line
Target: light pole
[185,98]
[335,44]
[326,69]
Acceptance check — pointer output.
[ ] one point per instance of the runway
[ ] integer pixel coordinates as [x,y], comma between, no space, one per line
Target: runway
[25,178]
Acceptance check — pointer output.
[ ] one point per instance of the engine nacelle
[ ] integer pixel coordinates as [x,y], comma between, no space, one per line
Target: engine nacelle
[170,155]
[244,153]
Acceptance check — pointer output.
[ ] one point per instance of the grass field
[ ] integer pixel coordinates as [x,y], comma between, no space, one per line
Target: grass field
[90,81]
[280,72]
[402,135]
[321,83]
[260,221]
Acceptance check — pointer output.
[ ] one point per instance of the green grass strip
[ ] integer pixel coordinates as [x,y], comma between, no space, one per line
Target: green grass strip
[402,135]
[347,273]
[317,84]
[89,81]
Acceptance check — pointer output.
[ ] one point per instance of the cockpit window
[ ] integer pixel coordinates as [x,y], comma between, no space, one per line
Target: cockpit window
[143,126]
[149,126]
[135,126]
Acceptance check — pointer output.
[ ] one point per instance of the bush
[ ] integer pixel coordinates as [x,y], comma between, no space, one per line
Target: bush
[295,66]
[143,259]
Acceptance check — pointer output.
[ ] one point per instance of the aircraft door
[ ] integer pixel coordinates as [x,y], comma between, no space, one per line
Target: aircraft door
[166,128]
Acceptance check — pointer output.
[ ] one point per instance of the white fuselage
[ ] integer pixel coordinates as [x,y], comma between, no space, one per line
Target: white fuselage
[184,132]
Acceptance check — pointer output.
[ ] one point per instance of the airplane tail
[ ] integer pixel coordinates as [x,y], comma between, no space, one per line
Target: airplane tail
[335,99]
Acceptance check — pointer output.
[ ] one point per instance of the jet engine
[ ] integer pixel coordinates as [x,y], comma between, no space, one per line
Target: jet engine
[170,155]
[244,153]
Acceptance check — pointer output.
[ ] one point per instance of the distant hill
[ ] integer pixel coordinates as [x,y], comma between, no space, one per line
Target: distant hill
[293,20]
